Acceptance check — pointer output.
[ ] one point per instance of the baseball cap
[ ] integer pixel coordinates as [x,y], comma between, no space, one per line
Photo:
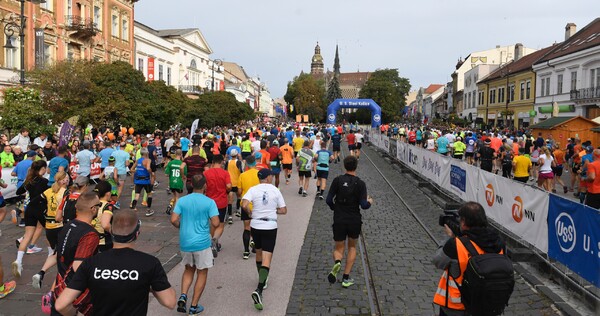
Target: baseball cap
[264,173]
[31,153]
[233,152]
[81,181]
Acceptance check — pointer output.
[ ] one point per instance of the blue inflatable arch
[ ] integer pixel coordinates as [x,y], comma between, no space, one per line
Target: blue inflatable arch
[355,104]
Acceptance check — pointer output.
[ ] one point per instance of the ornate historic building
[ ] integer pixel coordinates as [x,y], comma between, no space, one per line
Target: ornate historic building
[56,30]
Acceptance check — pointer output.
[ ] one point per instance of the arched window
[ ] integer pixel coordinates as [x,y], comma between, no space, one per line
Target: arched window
[193,64]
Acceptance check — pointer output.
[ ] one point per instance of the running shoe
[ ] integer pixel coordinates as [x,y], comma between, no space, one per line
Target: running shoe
[33,249]
[196,310]
[144,203]
[22,222]
[182,303]
[257,298]
[169,209]
[304,193]
[9,287]
[213,247]
[287,181]
[117,205]
[332,277]
[36,281]
[238,213]
[17,268]
[155,184]
[300,191]
[246,255]
[47,303]
[18,241]
[347,282]
[321,197]
[229,220]
[149,213]
[219,247]
[168,191]
[14,217]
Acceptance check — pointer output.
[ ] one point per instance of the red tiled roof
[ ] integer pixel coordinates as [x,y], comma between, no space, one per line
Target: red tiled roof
[354,78]
[433,88]
[524,63]
[587,37]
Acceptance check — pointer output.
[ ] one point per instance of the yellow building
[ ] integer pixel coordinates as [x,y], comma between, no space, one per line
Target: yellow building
[509,91]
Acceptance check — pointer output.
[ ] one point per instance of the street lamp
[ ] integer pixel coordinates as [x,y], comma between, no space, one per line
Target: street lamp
[11,27]
[214,62]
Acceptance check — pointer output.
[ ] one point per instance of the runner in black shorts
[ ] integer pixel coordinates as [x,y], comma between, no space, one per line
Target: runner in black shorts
[347,195]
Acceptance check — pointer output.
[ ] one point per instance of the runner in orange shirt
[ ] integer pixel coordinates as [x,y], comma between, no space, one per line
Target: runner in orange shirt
[287,160]
[559,159]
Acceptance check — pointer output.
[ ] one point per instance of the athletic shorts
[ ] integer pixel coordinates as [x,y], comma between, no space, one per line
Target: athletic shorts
[295,154]
[521,179]
[351,147]
[245,154]
[145,187]
[202,259]
[322,174]
[411,143]
[558,170]
[306,174]
[469,154]
[122,177]
[234,189]
[593,200]
[287,166]
[276,171]
[222,213]
[176,190]
[336,147]
[341,231]
[153,166]
[546,175]
[33,217]
[264,239]
[358,145]
[419,141]
[52,236]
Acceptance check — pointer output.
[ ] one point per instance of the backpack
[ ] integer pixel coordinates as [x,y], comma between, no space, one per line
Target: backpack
[68,206]
[346,193]
[488,282]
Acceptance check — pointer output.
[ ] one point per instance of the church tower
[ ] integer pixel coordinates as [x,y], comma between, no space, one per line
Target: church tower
[317,66]
[336,63]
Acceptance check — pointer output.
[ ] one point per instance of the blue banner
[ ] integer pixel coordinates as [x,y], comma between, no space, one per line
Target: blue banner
[574,237]
[458,178]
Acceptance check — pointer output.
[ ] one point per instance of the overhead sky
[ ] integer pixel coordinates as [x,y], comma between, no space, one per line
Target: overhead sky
[423,39]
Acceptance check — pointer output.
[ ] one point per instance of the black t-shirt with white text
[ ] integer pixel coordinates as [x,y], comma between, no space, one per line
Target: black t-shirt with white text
[120,281]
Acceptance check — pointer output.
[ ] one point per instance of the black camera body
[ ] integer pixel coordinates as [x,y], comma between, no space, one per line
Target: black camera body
[451,218]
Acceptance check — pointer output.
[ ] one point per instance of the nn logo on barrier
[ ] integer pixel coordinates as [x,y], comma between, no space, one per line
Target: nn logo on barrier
[565,232]
[518,211]
[491,197]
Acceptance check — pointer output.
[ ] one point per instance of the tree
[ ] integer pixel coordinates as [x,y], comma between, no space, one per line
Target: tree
[308,97]
[216,109]
[389,90]
[23,109]
[333,91]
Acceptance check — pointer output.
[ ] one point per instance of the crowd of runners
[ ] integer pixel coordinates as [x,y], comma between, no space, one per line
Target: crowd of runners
[515,154]
[72,193]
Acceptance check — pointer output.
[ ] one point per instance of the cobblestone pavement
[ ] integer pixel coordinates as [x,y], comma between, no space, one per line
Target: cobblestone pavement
[399,252]
[156,238]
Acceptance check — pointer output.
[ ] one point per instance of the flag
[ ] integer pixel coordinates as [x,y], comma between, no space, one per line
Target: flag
[65,133]
[194,127]
[186,76]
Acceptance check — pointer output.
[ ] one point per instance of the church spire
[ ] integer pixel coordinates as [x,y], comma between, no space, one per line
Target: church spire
[336,64]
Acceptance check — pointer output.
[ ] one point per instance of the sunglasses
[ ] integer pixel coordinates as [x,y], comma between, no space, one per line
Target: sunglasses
[97,205]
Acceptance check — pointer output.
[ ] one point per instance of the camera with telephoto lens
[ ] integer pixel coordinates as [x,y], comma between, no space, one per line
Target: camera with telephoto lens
[451,219]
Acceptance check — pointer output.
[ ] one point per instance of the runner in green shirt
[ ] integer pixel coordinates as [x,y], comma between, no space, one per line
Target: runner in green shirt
[176,170]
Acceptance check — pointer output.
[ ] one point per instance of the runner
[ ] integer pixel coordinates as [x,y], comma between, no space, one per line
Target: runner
[218,185]
[235,168]
[193,215]
[248,179]
[336,140]
[103,220]
[305,163]
[111,175]
[267,202]
[275,163]
[195,164]
[287,160]
[121,163]
[298,143]
[142,179]
[359,141]
[323,158]
[351,139]
[176,170]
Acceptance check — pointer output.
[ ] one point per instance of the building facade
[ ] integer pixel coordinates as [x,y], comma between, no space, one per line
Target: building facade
[569,76]
[471,94]
[57,30]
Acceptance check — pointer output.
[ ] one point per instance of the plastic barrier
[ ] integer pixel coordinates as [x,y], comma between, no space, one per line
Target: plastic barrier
[565,230]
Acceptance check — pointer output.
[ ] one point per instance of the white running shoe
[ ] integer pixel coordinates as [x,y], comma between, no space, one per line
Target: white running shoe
[17,268]
[34,249]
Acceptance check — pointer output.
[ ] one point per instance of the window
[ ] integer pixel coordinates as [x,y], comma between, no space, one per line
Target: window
[595,78]
[548,86]
[160,72]
[522,91]
[573,80]
[511,93]
[492,96]
[169,76]
[559,84]
[69,7]
[125,33]
[115,26]
[193,64]
[543,87]
[48,5]
[98,17]
[528,90]
[501,95]
[480,98]
[12,59]
[141,64]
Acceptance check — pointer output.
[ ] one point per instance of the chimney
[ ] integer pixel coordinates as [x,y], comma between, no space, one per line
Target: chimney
[570,29]
[518,51]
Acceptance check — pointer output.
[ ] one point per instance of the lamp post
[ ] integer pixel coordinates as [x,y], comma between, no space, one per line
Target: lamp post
[11,27]
[214,62]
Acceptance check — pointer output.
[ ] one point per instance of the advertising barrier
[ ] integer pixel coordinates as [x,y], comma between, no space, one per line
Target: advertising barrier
[574,237]
[11,189]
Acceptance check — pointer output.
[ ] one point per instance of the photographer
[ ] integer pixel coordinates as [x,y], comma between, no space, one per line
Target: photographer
[452,257]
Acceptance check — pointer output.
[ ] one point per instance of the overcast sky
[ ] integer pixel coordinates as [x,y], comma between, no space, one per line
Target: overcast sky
[423,39]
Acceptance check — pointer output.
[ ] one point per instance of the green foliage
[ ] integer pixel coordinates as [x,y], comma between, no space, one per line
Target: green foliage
[23,108]
[389,90]
[216,109]
[333,91]
[308,97]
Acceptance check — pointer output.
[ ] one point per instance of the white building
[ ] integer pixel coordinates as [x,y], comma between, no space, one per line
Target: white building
[179,57]
[471,93]
[570,75]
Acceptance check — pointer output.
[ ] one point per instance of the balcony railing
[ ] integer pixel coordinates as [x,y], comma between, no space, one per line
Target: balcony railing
[585,94]
[83,27]
[190,89]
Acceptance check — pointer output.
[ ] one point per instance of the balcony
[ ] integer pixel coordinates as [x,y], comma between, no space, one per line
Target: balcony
[80,27]
[585,94]
[190,89]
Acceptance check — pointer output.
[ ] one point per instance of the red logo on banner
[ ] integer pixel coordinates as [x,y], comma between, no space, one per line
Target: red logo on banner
[517,209]
[490,195]
[150,69]
[221,85]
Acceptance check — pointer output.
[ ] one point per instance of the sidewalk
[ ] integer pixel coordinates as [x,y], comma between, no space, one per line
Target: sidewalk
[232,279]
